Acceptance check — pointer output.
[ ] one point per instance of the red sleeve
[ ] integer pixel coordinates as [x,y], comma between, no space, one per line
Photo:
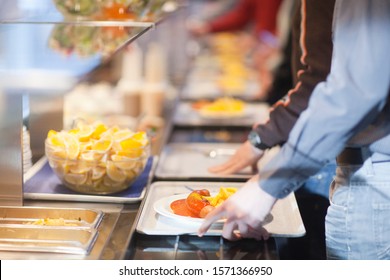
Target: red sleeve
[238,17]
[261,13]
[266,15]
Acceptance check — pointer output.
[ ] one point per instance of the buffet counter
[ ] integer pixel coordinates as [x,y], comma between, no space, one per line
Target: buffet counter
[49,47]
[135,223]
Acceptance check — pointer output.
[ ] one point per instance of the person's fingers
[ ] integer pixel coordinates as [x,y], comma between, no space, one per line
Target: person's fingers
[211,218]
[243,228]
[264,233]
[234,168]
[254,167]
[218,168]
[247,231]
[258,233]
[221,167]
[229,231]
[229,168]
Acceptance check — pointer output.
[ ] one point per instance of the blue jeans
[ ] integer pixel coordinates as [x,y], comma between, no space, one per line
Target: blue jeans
[357,224]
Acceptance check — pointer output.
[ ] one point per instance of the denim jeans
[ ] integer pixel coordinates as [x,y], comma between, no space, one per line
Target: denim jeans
[357,224]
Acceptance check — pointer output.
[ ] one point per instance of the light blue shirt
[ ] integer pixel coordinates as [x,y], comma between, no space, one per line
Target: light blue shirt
[351,108]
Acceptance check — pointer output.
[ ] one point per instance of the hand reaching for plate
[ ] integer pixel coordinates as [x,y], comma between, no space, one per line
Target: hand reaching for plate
[245,212]
[246,155]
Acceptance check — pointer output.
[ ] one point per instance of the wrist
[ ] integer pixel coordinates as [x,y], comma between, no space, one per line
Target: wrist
[255,140]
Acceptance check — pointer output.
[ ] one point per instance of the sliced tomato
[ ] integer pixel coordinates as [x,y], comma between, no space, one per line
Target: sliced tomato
[195,202]
[179,207]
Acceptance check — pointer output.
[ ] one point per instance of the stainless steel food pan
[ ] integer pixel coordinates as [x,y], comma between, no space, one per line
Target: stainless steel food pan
[85,218]
[45,229]
[47,239]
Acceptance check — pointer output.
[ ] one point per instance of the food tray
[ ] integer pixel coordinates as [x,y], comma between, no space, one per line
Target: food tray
[51,240]
[191,161]
[286,219]
[85,218]
[208,89]
[41,183]
[185,115]
[72,231]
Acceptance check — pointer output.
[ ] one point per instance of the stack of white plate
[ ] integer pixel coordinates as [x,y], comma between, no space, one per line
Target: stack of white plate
[27,154]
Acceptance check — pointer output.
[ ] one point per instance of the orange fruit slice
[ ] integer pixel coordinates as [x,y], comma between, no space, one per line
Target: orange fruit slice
[123,162]
[98,173]
[75,179]
[122,135]
[72,147]
[115,173]
[102,145]
[99,130]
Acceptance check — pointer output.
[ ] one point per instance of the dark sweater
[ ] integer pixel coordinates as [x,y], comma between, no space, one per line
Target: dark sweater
[311,58]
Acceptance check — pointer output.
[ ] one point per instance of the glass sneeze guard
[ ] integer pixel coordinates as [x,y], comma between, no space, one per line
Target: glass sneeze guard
[46,50]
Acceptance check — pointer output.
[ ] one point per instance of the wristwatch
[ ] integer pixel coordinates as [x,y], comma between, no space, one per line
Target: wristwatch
[255,140]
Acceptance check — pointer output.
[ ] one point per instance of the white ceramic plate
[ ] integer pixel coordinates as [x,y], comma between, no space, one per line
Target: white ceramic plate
[162,207]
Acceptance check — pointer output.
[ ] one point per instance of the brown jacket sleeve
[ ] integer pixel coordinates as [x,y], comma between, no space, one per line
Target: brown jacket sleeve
[311,57]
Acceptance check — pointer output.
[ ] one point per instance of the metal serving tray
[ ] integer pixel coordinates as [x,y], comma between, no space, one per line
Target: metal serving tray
[84,218]
[207,87]
[29,229]
[47,239]
[191,161]
[185,115]
[285,219]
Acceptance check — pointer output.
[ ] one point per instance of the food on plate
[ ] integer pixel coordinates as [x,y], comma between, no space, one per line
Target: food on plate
[197,105]
[200,202]
[234,72]
[224,106]
[197,200]
[97,159]
[221,196]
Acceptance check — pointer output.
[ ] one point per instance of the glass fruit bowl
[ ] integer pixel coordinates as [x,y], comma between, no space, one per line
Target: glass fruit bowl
[91,164]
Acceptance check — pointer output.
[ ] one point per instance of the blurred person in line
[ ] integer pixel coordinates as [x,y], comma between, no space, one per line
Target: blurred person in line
[348,118]
[311,58]
[263,41]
